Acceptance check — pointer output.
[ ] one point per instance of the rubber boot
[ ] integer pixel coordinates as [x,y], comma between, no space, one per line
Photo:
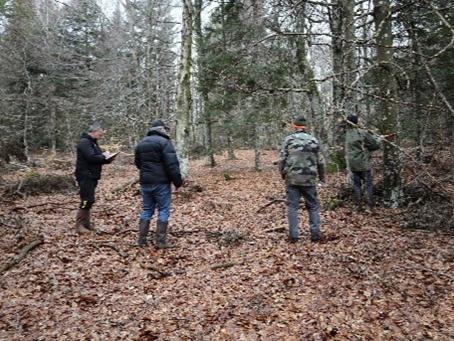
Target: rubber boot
[144,227]
[161,235]
[87,224]
[315,237]
[81,221]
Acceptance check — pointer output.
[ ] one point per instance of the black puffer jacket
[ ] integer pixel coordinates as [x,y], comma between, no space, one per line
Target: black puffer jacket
[157,160]
[89,158]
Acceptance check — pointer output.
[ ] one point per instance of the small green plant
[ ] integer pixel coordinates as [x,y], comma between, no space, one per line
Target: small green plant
[336,162]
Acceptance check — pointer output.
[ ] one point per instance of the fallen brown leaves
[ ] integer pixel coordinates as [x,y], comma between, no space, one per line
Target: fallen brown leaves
[233,275]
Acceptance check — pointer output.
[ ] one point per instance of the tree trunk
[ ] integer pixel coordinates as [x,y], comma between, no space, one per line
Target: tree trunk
[206,113]
[258,147]
[387,86]
[184,97]
[52,127]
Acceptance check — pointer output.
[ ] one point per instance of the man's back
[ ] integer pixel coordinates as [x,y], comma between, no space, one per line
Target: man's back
[157,161]
[301,159]
[358,147]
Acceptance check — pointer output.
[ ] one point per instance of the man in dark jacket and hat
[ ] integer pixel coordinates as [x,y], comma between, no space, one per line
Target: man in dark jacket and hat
[359,145]
[90,159]
[157,161]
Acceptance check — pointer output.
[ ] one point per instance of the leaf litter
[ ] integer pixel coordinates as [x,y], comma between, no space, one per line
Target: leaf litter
[233,275]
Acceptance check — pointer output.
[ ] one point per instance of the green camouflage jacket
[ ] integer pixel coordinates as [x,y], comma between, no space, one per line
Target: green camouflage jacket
[300,160]
[359,145]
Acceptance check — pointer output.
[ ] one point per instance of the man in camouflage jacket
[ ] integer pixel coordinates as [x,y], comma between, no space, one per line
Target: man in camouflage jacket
[359,145]
[300,162]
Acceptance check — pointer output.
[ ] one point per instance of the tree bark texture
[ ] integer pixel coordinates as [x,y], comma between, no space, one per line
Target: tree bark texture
[387,86]
[184,96]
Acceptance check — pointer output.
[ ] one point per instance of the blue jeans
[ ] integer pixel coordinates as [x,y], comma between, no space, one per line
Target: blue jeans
[158,195]
[367,178]
[294,194]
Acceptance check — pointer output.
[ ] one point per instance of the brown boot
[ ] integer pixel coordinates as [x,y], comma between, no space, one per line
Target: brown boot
[81,221]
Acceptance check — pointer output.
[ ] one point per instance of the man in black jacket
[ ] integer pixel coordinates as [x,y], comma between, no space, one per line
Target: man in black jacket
[89,163]
[157,161]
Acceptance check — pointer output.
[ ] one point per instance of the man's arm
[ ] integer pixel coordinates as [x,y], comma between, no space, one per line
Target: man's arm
[283,157]
[89,153]
[171,164]
[137,158]
[321,167]
[372,143]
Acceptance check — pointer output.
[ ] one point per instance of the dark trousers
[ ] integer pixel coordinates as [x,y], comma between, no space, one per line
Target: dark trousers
[87,188]
[309,193]
[358,179]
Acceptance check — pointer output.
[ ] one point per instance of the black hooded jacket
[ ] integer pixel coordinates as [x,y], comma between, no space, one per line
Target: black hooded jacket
[89,158]
[157,160]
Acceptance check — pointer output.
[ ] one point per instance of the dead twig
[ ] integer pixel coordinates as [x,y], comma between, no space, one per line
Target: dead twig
[21,255]
[269,204]
[147,266]
[18,208]
[124,187]
[183,232]
[115,248]
[275,229]
[223,265]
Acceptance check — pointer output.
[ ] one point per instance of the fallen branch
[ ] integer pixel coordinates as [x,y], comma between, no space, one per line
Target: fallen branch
[124,187]
[223,265]
[153,268]
[183,232]
[269,204]
[18,208]
[21,255]
[275,229]
[115,248]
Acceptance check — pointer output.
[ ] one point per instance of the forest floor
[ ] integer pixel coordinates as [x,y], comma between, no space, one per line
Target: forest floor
[233,275]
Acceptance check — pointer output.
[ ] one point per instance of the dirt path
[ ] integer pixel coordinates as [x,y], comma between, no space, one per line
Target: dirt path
[233,276]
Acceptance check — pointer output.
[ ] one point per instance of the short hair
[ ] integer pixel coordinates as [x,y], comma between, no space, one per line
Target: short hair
[299,121]
[95,126]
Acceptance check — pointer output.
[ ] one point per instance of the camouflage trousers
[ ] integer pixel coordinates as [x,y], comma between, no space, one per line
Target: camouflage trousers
[294,194]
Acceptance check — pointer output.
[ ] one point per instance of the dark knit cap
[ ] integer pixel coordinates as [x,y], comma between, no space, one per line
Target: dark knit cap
[353,118]
[299,121]
[158,123]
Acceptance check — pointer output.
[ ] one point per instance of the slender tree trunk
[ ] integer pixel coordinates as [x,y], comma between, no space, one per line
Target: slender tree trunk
[52,127]
[387,86]
[206,113]
[184,97]
[349,53]
[258,147]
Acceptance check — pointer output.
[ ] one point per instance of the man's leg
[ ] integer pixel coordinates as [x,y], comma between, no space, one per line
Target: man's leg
[369,188]
[293,203]
[163,197]
[148,207]
[357,189]
[87,198]
[313,208]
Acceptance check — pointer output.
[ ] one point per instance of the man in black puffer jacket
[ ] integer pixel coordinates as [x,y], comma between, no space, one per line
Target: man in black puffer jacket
[89,163]
[157,161]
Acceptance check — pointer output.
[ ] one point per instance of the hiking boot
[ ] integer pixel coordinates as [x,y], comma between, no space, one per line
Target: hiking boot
[161,235]
[144,227]
[82,221]
[293,240]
